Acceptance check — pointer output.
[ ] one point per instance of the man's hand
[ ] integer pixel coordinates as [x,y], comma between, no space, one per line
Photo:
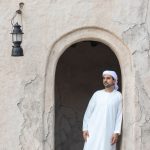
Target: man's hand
[114,138]
[85,135]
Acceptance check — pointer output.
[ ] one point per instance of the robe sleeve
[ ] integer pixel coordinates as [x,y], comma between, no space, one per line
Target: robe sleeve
[119,117]
[88,113]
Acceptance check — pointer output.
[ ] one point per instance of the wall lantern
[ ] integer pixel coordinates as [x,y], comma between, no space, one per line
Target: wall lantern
[17,33]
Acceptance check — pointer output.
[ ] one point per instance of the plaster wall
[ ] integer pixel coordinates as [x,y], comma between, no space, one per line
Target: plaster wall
[50,27]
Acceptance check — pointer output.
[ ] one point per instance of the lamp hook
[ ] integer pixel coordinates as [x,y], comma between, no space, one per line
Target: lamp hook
[19,11]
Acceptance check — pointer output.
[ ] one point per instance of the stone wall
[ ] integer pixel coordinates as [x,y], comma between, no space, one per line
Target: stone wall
[50,27]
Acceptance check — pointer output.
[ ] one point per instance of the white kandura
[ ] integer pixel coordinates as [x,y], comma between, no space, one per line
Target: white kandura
[102,118]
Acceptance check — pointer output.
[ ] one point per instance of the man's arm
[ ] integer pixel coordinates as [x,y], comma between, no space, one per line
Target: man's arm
[114,138]
[87,116]
[118,123]
[117,130]
[85,135]
[119,117]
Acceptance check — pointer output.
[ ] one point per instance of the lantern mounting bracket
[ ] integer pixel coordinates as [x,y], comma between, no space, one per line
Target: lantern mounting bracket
[19,11]
[20,7]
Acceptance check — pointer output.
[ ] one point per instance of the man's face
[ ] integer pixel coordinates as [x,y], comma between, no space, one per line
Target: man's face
[108,81]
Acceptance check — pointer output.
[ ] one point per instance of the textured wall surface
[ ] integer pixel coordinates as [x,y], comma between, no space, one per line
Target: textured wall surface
[27,83]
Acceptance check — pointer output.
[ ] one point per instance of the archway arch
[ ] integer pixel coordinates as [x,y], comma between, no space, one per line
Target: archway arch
[78,76]
[58,48]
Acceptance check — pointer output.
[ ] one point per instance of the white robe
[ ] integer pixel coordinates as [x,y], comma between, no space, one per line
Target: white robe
[102,118]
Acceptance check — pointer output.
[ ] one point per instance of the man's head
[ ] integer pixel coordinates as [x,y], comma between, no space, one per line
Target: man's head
[110,79]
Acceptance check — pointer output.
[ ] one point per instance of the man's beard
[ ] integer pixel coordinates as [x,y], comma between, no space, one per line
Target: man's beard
[108,85]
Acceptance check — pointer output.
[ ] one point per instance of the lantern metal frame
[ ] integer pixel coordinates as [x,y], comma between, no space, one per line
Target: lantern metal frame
[17,40]
[17,32]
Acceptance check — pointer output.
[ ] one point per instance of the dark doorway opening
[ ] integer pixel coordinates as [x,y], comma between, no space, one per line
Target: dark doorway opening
[78,76]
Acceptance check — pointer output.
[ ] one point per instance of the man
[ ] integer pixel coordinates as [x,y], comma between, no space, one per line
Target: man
[103,116]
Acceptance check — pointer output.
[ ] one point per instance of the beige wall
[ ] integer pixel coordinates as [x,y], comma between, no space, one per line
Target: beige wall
[50,26]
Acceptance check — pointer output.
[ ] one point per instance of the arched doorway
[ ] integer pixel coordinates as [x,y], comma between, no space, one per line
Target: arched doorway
[123,54]
[78,75]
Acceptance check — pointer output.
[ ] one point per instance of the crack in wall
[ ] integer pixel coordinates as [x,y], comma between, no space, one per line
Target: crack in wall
[140,25]
[50,131]
[19,104]
[29,109]
[143,101]
[130,28]
[138,103]
[146,11]
[30,81]
[146,50]
[137,39]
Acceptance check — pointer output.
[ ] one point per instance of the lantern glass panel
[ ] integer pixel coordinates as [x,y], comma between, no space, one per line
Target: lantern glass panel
[14,38]
[17,37]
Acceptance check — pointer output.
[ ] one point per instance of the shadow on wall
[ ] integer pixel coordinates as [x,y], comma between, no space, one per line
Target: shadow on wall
[78,75]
